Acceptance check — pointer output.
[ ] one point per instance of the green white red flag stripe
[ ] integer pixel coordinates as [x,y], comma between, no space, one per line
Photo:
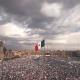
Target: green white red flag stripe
[39,45]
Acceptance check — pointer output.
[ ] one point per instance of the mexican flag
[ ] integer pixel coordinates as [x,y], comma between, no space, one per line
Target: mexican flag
[39,45]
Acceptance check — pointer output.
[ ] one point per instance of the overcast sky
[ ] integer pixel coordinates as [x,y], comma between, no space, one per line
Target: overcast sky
[25,22]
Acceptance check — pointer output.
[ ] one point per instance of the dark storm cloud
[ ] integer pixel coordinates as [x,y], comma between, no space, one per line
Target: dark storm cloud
[22,7]
[31,7]
[4,17]
[28,12]
[20,10]
[40,22]
[67,3]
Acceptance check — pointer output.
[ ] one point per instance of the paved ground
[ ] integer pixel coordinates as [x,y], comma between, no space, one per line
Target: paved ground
[40,68]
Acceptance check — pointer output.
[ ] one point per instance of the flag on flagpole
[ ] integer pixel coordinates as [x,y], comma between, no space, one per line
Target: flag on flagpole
[39,45]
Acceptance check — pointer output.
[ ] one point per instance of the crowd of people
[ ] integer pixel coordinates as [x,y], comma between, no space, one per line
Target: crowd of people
[39,68]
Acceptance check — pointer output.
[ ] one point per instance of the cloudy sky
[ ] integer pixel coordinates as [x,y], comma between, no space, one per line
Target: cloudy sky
[25,22]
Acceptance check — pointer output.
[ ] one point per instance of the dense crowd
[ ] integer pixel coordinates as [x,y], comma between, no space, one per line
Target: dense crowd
[39,68]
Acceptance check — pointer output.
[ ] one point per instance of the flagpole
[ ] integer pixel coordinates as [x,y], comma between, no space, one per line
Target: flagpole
[43,57]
